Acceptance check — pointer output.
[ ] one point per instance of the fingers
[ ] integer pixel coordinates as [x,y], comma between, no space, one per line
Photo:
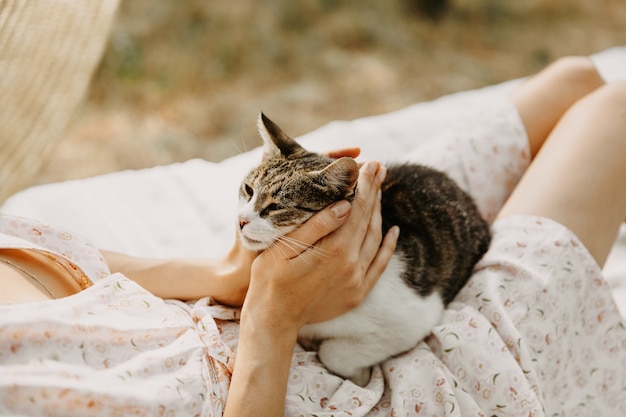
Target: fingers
[373,236]
[383,256]
[349,152]
[318,226]
[375,256]
[372,174]
[344,240]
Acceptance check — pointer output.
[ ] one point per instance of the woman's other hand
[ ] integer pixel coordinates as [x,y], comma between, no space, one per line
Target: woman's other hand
[348,152]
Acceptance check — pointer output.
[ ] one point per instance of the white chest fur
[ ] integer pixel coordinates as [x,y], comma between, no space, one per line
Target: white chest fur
[392,319]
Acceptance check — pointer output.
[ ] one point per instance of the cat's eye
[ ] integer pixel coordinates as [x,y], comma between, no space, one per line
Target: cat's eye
[248,190]
[269,208]
[272,207]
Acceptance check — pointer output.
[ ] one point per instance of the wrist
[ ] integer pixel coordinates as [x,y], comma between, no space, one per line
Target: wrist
[262,367]
[267,328]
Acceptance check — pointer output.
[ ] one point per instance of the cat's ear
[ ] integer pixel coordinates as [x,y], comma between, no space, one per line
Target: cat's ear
[342,174]
[275,141]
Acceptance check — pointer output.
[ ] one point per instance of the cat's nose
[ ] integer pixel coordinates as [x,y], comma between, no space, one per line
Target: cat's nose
[242,222]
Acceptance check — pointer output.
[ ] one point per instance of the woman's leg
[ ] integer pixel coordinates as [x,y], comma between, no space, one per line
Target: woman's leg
[488,153]
[578,177]
[544,98]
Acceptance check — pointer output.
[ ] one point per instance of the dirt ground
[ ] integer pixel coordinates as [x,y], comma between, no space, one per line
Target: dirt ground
[186,79]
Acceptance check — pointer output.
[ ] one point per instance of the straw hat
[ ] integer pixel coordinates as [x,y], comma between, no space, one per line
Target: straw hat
[49,50]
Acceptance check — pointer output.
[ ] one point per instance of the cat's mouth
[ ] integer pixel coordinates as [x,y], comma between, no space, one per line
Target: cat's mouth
[253,244]
[252,241]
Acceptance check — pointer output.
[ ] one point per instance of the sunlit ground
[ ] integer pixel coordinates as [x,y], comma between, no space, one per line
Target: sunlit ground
[186,79]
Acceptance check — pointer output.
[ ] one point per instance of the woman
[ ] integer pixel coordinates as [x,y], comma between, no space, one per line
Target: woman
[106,347]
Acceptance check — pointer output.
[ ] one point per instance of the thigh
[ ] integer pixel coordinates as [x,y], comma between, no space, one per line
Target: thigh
[578,178]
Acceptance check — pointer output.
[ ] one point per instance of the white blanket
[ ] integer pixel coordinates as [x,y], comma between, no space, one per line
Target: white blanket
[188,209]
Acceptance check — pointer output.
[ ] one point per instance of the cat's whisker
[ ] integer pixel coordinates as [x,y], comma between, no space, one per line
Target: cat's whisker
[315,250]
[293,242]
[274,255]
[289,245]
[286,245]
[284,252]
[235,146]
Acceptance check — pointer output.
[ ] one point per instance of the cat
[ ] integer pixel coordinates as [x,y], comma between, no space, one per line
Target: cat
[442,236]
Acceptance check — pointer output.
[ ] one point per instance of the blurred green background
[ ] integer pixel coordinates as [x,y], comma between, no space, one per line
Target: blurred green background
[186,78]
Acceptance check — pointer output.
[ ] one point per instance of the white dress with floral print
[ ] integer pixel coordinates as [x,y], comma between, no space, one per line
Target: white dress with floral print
[534,333]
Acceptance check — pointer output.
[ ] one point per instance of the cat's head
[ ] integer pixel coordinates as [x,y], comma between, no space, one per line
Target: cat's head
[288,187]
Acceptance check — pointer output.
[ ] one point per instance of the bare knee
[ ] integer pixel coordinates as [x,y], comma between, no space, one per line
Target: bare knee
[575,72]
[578,177]
[602,101]
[543,99]
[603,115]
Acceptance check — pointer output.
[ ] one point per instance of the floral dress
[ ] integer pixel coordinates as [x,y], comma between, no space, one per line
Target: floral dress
[112,349]
[535,332]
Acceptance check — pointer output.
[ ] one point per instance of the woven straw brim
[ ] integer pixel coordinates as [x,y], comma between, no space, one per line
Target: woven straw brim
[49,50]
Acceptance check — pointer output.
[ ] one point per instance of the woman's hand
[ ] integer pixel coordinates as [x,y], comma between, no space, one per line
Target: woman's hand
[225,279]
[333,268]
[235,273]
[338,261]
[235,268]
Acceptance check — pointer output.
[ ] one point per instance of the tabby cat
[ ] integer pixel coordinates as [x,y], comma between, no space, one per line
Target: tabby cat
[442,236]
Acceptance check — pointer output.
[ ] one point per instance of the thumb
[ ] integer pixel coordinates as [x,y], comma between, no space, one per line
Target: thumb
[317,227]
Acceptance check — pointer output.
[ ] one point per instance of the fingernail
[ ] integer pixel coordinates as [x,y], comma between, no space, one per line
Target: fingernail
[340,209]
[395,232]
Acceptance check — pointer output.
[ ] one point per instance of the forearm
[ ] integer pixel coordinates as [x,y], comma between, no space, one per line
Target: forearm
[182,279]
[259,384]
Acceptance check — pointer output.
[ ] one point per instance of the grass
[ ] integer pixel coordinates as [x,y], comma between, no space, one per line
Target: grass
[185,79]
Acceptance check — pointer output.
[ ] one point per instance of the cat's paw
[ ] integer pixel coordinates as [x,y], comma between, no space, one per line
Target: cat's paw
[361,377]
[341,358]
